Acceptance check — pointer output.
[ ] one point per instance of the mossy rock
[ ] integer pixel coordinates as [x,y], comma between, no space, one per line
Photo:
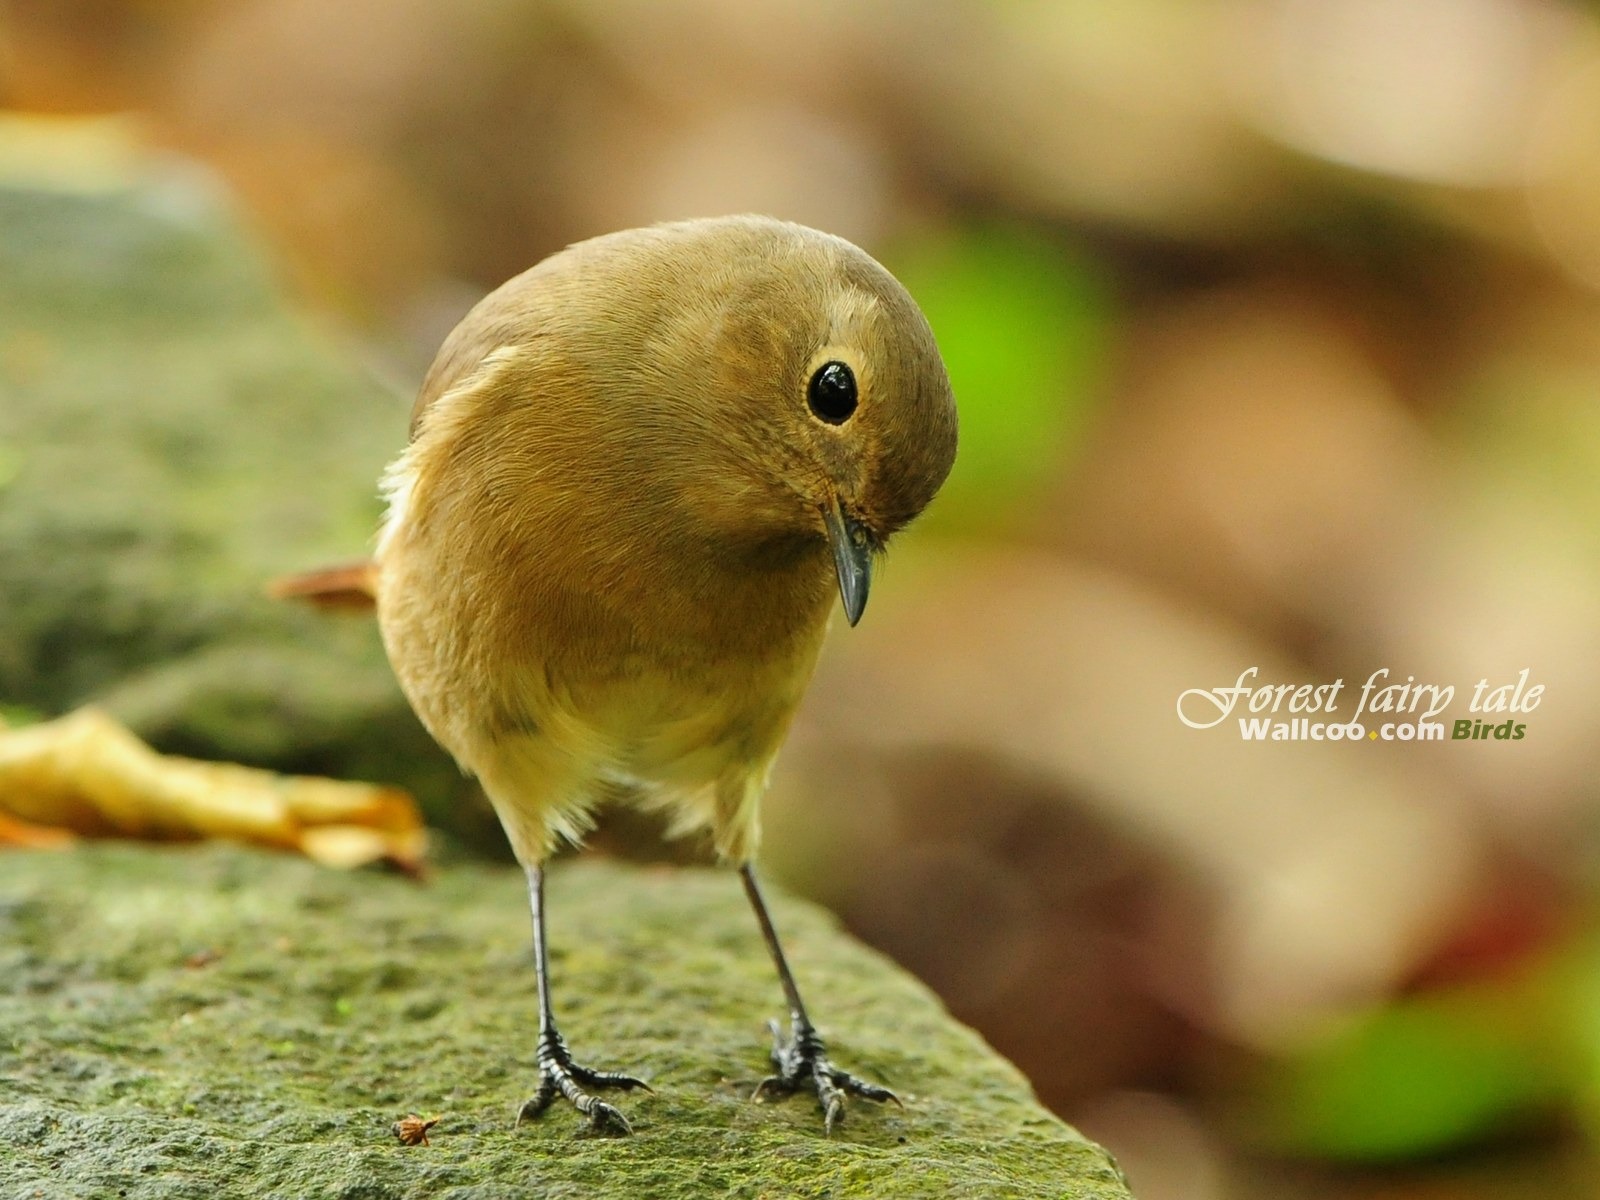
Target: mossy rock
[173,435]
[212,1021]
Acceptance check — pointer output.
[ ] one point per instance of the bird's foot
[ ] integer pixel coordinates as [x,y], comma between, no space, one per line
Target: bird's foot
[560,1076]
[802,1062]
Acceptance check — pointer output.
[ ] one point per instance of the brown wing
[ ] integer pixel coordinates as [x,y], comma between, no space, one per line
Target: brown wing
[501,318]
[524,307]
[463,350]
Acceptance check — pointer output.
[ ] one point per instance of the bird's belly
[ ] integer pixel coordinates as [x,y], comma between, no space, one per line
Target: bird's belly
[695,731]
[698,753]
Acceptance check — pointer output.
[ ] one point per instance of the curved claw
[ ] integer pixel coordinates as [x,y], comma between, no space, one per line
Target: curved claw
[776,1085]
[802,1060]
[533,1107]
[608,1079]
[607,1120]
[560,1076]
[860,1087]
[604,1119]
[832,1115]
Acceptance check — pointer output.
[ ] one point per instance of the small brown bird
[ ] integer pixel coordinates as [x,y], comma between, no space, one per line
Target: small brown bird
[636,474]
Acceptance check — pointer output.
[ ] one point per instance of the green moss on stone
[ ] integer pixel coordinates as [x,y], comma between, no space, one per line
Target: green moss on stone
[173,435]
[341,1002]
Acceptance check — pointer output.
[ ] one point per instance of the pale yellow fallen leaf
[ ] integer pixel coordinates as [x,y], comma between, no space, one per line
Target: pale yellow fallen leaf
[86,774]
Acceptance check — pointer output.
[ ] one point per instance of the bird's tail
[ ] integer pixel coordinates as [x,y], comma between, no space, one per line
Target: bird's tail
[350,585]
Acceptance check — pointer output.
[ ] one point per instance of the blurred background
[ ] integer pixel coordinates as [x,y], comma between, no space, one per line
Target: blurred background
[1275,327]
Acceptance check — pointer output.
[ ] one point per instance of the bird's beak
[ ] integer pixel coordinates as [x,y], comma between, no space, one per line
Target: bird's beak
[852,558]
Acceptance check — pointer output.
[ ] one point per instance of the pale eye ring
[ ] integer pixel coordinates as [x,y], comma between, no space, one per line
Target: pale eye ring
[832,393]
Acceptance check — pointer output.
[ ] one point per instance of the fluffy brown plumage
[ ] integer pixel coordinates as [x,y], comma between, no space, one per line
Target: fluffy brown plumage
[637,474]
[606,560]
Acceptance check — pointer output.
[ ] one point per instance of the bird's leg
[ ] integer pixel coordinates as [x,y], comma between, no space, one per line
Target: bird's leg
[558,1074]
[801,1059]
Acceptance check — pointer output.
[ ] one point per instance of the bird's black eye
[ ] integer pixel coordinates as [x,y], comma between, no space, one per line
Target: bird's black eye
[832,394]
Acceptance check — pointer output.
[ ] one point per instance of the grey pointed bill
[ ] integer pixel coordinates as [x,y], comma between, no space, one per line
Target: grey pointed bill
[852,558]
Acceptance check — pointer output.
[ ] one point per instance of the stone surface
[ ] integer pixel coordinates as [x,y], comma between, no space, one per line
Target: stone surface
[210,1021]
[174,434]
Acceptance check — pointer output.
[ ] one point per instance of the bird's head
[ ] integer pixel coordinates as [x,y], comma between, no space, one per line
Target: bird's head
[837,417]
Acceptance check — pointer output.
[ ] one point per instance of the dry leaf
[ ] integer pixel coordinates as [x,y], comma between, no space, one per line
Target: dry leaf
[86,774]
